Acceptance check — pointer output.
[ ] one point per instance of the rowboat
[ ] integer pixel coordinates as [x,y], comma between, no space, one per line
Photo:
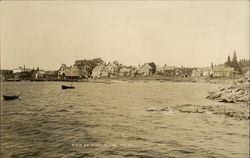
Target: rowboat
[67,87]
[10,97]
[13,80]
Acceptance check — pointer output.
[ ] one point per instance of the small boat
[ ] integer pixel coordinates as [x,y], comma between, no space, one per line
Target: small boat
[13,80]
[67,87]
[12,97]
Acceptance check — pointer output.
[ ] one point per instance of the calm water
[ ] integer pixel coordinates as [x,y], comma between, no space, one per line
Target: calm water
[101,120]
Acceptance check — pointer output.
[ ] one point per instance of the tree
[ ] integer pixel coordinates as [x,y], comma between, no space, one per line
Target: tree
[244,65]
[228,62]
[152,64]
[234,62]
[89,65]
[234,57]
[119,65]
[116,63]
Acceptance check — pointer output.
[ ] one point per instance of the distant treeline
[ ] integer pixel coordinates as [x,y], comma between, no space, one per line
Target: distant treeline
[241,66]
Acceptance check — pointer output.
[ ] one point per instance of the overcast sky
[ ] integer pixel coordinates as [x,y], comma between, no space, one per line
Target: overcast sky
[194,33]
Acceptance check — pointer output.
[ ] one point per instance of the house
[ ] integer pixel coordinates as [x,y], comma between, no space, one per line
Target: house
[168,70]
[105,72]
[100,71]
[145,70]
[198,72]
[179,71]
[222,71]
[207,71]
[51,75]
[6,74]
[97,71]
[158,69]
[68,72]
[112,69]
[133,71]
[125,71]
[40,74]
[218,71]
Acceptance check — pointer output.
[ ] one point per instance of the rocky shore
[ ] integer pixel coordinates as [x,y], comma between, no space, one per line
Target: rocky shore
[234,93]
[239,112]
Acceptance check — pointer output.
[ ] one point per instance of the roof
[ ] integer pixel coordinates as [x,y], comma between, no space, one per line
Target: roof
[6,70]
[147,66]
[51,72]
[70,71]
[98,68]
[112,65]
[168,68]
[40,72]
[225,69]
[206,69]
[125,69]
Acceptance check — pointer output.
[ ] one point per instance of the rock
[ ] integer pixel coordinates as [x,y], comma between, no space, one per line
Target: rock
[222,89]
[155,109]
[241,80]
[238,89]
[192,110]
[152,109]
[231,87]
[164,109]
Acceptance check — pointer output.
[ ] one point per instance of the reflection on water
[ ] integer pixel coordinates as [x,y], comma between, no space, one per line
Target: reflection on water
[102,120]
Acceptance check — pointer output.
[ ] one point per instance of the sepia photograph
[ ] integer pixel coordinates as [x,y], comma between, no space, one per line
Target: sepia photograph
[124,79]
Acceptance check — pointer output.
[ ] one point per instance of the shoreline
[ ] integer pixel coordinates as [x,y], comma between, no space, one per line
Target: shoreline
[138,79]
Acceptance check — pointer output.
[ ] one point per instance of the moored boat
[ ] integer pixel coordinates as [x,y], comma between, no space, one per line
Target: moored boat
[10,97]
[67,87]
[13,80]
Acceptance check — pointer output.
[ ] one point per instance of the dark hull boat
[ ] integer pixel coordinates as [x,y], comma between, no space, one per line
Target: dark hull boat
[13,97]
[68,87]
[13,80]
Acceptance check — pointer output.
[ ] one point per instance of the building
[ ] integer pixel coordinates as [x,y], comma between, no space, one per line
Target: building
[112,69]
[6,74]
[100,71]
[133,71]
[145,70]
[168,70]
[51,75]
[222,71]
[125,71]
[218,71]
[158,69]
[206,72]
[40,74]
[196,72]
[68,72]
[97,71]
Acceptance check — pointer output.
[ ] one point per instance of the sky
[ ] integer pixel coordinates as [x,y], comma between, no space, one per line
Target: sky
[179,33]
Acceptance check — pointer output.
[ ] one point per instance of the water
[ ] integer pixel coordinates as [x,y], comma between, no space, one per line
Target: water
[102,120]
